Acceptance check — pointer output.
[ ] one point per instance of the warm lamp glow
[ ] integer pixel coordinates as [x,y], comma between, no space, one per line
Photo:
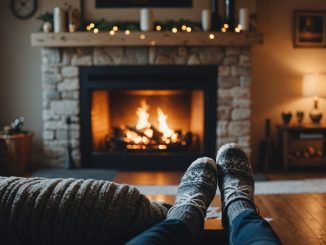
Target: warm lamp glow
[314,85]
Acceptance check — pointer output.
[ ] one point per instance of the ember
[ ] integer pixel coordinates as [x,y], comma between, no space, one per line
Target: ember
[145,137]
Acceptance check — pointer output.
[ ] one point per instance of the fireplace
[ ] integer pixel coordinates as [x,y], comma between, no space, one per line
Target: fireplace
[147,117]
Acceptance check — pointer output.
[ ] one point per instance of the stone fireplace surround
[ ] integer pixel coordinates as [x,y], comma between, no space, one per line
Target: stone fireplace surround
[60,86]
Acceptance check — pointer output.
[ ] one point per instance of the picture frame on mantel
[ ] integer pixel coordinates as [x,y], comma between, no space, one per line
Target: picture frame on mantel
[309,29]
[143,3]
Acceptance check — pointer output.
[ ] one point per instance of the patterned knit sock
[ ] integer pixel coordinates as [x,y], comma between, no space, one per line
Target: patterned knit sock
[195,193]
[235,181]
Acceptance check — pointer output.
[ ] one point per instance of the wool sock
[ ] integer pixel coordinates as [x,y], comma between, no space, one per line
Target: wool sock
[237,208]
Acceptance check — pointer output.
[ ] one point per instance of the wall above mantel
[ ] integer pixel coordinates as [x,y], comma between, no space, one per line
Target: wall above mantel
[88,39]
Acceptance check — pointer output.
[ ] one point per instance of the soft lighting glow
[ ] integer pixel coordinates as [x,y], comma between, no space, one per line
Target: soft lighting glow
[158,28]
[314,85]
[237,29]
[240,27]
[226,26]
[142,36]
[183,27]
[211,36]
[112,32]
[88,28]
[115,28]
[188,29]
[153,43]
[223,29]
[127,32]
[91,25]
[174,30]
[95,30]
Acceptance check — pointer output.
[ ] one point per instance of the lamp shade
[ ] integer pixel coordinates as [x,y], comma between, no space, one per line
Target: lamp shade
[314,85]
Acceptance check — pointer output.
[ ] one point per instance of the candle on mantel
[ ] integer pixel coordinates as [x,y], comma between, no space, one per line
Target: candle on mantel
[244,19]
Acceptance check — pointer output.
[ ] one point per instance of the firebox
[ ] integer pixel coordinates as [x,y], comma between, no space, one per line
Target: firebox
[147,117]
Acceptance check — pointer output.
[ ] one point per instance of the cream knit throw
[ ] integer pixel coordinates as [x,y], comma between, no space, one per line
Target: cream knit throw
[70,211]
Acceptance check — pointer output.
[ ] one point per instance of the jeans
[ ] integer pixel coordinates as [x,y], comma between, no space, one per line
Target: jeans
[247,228]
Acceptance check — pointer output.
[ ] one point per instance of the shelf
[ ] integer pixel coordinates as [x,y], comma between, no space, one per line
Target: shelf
[307,162]
[89,39]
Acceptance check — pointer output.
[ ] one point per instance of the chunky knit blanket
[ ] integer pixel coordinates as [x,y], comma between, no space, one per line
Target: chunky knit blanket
[70,211]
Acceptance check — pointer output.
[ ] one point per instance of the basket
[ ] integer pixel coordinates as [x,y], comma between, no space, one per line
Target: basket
[15,153]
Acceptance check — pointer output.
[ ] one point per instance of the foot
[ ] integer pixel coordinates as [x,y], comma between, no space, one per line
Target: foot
[195,193]
[235,180]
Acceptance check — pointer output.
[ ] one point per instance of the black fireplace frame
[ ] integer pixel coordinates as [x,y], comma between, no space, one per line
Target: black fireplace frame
[124,77]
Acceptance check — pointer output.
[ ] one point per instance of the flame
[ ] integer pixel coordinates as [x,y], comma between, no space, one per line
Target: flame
[143,116]
[163,125]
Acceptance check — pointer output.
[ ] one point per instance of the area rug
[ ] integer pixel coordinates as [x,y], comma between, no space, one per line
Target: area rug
[261,187]
[97,174]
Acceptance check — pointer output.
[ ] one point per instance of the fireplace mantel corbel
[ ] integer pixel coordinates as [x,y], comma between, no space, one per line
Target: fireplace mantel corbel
[88,39]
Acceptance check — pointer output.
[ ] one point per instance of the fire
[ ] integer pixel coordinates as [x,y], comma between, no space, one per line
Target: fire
[143,116]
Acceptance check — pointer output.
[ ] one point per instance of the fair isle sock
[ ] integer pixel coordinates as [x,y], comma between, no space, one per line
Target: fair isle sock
[193,219]
[237,208]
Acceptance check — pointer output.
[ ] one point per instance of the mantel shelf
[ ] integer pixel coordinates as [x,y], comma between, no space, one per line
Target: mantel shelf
[88,39]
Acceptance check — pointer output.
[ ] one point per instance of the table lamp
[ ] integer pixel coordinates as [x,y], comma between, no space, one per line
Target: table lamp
[314,85]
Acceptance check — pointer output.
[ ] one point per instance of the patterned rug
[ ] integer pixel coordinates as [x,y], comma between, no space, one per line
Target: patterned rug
[262,187]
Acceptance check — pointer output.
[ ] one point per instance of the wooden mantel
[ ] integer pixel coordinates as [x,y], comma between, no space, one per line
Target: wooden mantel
[88,39]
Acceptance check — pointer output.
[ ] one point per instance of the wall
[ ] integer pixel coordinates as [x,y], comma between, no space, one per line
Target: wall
[278,67]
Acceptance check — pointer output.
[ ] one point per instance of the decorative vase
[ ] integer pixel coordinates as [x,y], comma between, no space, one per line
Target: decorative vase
[59,20]
[286,117]
[146,20]
[47,27]
[244,19]
[229,13]
[206,17]
[300,116]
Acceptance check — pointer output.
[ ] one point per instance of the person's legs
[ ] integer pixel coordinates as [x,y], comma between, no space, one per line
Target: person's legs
[185,220]
[239,214]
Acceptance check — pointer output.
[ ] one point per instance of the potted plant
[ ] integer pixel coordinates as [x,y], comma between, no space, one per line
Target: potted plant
[15,148]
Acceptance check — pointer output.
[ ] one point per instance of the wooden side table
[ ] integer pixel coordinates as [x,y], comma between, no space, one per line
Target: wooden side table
[302,146]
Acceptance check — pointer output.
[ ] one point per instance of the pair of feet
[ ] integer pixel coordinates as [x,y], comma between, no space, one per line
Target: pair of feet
[231,172]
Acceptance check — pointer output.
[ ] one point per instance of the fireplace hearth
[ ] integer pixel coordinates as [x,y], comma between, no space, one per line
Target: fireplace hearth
[147,117]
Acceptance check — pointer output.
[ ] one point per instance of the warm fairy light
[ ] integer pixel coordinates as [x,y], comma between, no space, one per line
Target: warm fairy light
[112,32]
[188,29]
[158,28]
[127,32]
[223,29]
[211,36]
[142,36]
[143,116]
[240,27]
[115,28]
[95,30]
[174,30]
[91,25]
[183,27]
[88,28]
[153,43]
[237,29]
[226,26]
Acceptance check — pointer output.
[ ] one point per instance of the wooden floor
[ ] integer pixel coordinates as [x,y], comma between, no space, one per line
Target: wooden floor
[297,219]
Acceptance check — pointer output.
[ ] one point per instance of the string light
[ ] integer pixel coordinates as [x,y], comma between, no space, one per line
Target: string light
[142,36]
[223,29]
[188,29]
[211,36]
[226,26]
[158,28]
[95,30]
[115,28]
[237,29]
[174,30]
[112,32]
[88,28]
[183,27]
[91,25]
[127,32]
[153,43]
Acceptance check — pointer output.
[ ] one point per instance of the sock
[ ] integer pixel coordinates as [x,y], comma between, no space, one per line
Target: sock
[237,208]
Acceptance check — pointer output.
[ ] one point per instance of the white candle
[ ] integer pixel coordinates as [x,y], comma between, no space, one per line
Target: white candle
[206,17]
[244,19]
[59,19]
[146,20]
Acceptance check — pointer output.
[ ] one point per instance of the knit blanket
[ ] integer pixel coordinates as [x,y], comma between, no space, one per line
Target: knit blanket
[70,211]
